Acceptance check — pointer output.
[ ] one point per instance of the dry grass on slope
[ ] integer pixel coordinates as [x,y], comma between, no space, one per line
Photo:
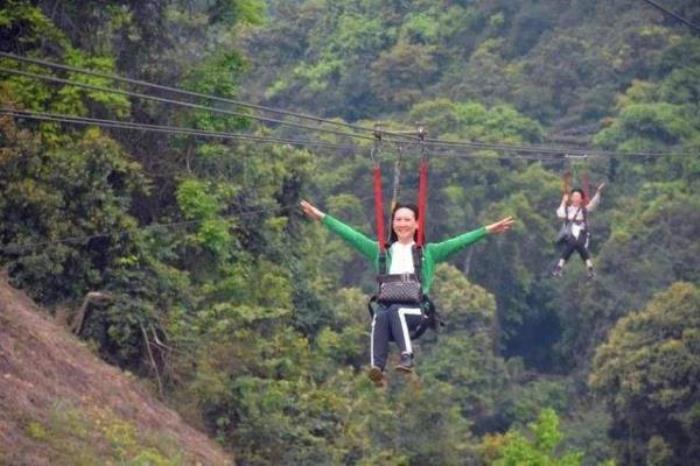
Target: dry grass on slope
[61,405]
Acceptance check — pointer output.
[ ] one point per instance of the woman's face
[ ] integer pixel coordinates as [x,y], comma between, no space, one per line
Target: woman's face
[576,198]
[404,224]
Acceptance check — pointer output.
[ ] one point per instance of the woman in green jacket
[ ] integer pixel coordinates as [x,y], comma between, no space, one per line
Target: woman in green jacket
[395,321]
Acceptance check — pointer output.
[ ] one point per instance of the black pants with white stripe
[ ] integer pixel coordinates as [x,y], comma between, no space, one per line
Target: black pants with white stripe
[392,322]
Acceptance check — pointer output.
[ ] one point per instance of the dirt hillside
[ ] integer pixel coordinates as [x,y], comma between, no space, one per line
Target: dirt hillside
[60,404]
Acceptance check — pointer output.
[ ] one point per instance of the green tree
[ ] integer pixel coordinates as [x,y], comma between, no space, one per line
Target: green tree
[64,211]
[537,447]
[649,369]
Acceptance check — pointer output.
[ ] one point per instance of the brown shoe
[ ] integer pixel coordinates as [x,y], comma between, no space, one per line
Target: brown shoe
[405,363]
[377,376]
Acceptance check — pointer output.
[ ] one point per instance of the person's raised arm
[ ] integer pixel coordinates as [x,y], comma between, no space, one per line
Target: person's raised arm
[595,200]
[443,250]
[561,211]
[364,245]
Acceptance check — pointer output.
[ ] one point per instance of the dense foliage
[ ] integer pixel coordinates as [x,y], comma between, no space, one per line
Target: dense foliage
[253,319]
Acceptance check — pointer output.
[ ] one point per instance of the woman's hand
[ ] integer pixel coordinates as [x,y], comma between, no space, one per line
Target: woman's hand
[600,188]
[312,212]
[565,199]
[500,226]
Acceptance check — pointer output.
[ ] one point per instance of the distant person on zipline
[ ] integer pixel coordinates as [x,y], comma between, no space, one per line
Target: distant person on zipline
[406,265]
[575,235]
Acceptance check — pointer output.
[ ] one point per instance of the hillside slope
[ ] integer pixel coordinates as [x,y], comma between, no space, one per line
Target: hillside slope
[60,404]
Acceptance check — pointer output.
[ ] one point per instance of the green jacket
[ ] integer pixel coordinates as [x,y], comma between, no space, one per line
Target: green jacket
[433,253]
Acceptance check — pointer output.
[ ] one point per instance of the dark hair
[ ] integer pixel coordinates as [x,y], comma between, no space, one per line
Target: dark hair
[392,236]
[580,191]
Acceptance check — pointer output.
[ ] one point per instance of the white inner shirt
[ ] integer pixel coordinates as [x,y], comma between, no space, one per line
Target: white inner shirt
[574,213]
[401,258]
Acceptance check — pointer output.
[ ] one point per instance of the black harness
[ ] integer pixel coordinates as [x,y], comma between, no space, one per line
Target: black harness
[586,233]
[430,317]
[565,234]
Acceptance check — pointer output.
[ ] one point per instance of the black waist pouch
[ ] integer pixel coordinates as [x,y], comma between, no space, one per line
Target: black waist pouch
[403,288]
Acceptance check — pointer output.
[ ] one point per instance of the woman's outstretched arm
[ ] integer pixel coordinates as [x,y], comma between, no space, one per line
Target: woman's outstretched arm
[360,242]
[311,211]
[443,250]
[500,226]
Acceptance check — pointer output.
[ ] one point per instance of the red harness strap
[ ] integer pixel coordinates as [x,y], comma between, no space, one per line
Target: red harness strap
[379,206]
[566,182]
[422,199]
[422,188]
[422,194]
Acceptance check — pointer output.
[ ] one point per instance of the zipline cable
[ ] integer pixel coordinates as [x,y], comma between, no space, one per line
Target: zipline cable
[240,103]
[176,90]
[87,121]
[432,143]
[177,102]
[440,151]
[555,150]
[673,14]
[62,118]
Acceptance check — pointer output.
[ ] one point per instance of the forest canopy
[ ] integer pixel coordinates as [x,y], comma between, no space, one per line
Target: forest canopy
[252,321]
